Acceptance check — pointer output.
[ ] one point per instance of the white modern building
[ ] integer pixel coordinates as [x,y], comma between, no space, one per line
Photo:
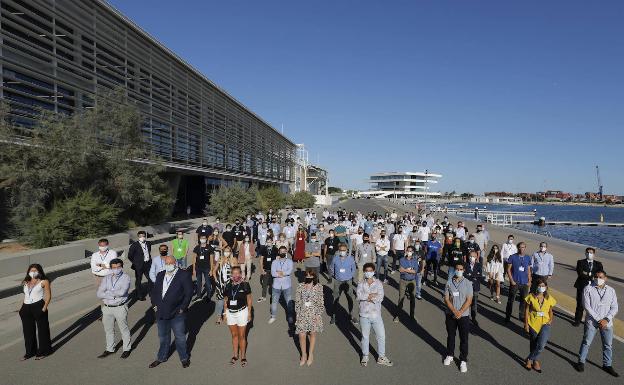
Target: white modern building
[402,185]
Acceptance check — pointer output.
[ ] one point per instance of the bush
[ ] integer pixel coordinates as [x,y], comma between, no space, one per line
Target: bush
[232,202]
[271,198]
[302,200]
[86,215]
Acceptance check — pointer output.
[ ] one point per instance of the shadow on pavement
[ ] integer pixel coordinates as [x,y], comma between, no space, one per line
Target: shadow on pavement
[75,328]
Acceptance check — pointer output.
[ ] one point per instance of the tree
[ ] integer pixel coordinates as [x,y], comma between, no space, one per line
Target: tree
[334,190]
[302,200]
[271,198]
[100,149]
[232,202]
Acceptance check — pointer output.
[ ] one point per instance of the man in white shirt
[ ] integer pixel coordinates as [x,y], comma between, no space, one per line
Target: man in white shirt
[399,243]
[100,261]
[423,232]
[508,249]
[481,239]
[461,231]
[382,246]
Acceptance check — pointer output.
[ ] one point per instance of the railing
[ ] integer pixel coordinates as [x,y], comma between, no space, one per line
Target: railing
[499,219]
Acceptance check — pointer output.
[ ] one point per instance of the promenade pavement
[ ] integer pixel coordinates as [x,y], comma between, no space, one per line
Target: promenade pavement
[416,348]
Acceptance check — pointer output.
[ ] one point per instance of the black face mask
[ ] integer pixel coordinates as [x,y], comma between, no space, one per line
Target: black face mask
[163,253]
[283,255]
[309,279]
[366,240]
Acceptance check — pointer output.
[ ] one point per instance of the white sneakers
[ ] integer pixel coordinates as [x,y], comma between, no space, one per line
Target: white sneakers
[271,320]
[384,361]
[463,366]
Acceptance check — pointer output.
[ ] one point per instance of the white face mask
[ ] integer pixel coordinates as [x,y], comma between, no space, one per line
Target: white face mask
[409,253]
[103,248]
[459,273]
[343,253]
[590,256]
[510,241]
[473,259]
[541,289]
[116,271]
[205,223]
[600,281]
[202,241]
[369,274]
[33,274]
[169,268]
[543,249]
[226,254]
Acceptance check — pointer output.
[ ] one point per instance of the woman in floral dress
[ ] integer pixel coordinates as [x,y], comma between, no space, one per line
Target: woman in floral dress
[309,306]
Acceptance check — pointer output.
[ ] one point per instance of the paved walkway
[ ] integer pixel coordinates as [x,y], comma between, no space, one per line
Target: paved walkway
[496,351]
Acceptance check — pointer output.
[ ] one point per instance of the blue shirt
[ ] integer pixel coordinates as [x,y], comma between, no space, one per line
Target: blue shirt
[285,265]
[543,263]
[408,264]
[343,268]
[520,268]
[433,250]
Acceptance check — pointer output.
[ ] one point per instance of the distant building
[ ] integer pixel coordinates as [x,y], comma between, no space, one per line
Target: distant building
[402,185]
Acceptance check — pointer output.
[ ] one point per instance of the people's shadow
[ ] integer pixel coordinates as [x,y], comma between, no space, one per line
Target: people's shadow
[145,323]
[197,316]
[75,328]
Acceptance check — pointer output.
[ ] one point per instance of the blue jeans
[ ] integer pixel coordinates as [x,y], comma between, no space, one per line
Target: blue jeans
[219,307]
[202,275]
[538,341]
[178,325]
[382,260]
[451,272]
[290,305]
[418,284]
[181,262]
[380,333]
[396,257]
[591,327]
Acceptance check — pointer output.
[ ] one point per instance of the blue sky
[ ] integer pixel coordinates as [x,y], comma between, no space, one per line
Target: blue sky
[495,95]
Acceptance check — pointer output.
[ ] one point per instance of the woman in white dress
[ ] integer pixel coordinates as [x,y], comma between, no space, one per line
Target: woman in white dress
[495,272]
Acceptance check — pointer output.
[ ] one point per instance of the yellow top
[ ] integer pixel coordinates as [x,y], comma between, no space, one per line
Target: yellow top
[539,315]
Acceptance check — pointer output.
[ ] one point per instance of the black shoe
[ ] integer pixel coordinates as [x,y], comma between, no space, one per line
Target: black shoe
[186,363]
[155,364]
[332,320]
[354,320]
[141,298]
[105,354]
[507,321]
[580,367]
[576,323]
[609,369]
[125,354]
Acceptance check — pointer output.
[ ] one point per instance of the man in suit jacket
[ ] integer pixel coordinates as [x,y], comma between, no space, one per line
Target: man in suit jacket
[585,269]
[140,255]
[171,297]
[473,270]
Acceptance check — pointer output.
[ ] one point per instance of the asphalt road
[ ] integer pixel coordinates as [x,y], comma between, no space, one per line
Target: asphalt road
[415,347]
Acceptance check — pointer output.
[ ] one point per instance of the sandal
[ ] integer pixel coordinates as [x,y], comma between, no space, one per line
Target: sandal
[244,362]
[233,361]
[219,320]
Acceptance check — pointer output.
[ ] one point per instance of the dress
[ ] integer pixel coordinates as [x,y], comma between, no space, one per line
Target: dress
[309,306]
[300,240]
[223,277]
[495,270]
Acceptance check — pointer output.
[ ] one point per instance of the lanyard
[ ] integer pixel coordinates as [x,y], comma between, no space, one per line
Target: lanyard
[168,281]
[114,283]
[457,287]
[103,258]
[604,292]
[234,291]
[143,246]
[30,289]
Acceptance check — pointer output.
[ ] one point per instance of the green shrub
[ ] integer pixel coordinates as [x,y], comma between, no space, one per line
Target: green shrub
[271,198]
[232,202]
[302,200]
[86,215]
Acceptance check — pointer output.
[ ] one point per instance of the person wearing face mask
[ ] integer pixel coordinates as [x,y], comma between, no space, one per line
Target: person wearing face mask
[268,254]
[382,247]
[313,255]
[218,225]
[300,246]
[113,292]
[238,313]
[399,243]
[34,313]
[495,272]
[423,232]
[246,254]
[239,231]
[601,305]
[454,255]
[480,238]
[282,241]
[329,250]
[460,232]
[171,296]
[228,237]
[222,274]
[543,264]
[204,229]
[100,261]
[365,253]
[458,298]
[519,273]
[202,267]
[263,231]
[309,306]
[281,269]
[409,268]
[158,263]
[508,249]
[432,257]
[342,270]
[140,256]
[470,246]
[585,270]
[538,319]
[370,294]
[180,249]
[473,271]
[356,240]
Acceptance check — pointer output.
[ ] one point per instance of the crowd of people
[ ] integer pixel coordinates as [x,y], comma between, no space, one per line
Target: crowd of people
[355,254]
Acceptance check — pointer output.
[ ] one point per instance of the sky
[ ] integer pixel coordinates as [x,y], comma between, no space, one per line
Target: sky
[495,95]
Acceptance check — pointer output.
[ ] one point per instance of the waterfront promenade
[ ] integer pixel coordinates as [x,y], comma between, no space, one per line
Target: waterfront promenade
[496,351]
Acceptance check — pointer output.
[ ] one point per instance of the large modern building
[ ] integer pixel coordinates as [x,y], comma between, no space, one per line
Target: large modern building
[57,54]
[402,185]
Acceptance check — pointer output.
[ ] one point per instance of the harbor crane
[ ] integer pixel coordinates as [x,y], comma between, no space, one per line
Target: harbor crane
[599,183]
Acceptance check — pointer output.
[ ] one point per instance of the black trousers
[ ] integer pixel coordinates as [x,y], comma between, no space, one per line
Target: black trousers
[431,264]
[473,305]
[35,319]
[578,314]
[513,291]
[452,325]
[138,276]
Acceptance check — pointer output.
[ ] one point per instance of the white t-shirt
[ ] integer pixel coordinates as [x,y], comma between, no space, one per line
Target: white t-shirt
[102,258]
[423,233]
[507,250]
[382,246]
[398,240]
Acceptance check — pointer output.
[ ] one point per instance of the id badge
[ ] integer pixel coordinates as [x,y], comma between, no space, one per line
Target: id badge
[179,250]
[201,257]
[343,270]
[365,255]
[455,294]
[307,303]
[540,313]
[269,259]
[233,302]
[521,268]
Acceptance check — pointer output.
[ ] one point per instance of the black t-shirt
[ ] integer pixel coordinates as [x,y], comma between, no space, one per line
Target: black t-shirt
[236,295]
[203,257]
[332,245]
[239,232]
[204,230]
[268,256]
[228,237]
[455,255]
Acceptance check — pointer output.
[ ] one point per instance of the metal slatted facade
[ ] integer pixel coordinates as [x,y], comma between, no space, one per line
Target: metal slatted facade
[56,54]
